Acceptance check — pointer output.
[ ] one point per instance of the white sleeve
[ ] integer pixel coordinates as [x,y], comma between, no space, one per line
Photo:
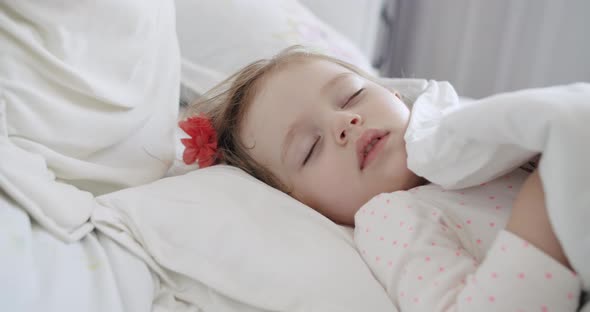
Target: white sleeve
[417,255]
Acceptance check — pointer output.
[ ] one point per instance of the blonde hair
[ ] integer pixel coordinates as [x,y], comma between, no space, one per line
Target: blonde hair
[227,103]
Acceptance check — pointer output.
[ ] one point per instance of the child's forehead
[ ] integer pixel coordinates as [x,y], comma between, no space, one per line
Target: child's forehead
[318,65]
[290,87]
[306,72]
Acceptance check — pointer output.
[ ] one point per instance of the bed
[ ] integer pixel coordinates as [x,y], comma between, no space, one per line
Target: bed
[97,212]
[89,96]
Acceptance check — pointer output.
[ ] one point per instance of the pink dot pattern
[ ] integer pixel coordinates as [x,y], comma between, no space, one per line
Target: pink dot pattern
[425,249]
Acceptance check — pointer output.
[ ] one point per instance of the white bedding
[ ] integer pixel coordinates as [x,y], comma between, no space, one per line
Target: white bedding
[42,273]
[89,92]
[88,103]
[252,249]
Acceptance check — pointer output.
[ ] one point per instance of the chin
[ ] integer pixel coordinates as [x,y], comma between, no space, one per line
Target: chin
[404,182]
[345,220]
[414,181]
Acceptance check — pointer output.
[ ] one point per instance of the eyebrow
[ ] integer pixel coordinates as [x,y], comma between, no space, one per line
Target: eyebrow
[334,81]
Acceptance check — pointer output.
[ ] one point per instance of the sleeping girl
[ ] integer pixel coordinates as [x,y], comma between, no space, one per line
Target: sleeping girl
[332,137]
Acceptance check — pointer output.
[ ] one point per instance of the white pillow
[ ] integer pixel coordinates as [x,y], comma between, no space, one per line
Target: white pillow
[218,236]
[217,38]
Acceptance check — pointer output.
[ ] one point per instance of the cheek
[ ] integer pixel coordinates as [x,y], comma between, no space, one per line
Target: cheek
[332,190]
[387,105]
[325,181]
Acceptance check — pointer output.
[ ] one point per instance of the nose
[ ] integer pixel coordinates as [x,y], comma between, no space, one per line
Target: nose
[344,126]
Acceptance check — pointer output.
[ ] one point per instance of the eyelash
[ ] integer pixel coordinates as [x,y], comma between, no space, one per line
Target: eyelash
[352,97]
[310,153]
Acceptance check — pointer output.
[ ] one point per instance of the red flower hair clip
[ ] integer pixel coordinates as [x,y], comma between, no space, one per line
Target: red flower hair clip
[202,144]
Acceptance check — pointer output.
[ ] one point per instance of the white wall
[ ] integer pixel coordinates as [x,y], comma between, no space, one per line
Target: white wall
[356,19]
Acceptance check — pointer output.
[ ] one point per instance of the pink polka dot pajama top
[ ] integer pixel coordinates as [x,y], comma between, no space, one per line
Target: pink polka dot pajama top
[439,250]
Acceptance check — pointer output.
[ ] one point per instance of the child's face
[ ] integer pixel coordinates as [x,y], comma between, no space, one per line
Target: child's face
[310,126]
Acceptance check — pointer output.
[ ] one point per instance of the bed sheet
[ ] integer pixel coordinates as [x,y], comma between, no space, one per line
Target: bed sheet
[42,273]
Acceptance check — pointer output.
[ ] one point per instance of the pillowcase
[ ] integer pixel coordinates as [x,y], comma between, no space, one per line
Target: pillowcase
[217,236]
[217,38]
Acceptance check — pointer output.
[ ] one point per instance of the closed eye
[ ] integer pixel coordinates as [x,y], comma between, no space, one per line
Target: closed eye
[311,150]
[352,97]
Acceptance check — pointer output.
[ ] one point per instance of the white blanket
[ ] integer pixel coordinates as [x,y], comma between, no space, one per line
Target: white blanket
[459,145]
[88,103]
[43,273]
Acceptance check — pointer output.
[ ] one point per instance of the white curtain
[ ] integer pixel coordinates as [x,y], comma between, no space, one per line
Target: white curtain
[484,47]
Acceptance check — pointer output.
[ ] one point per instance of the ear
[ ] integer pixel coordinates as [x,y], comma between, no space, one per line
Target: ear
[402,98]
[393,91]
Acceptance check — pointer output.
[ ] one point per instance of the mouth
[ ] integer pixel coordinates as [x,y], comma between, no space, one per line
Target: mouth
[368,146]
